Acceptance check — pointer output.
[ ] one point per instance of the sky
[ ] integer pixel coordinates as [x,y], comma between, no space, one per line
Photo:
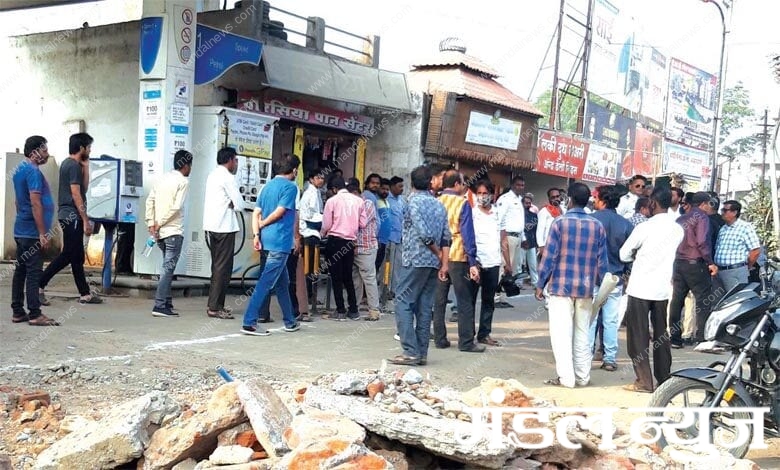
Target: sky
[512,36]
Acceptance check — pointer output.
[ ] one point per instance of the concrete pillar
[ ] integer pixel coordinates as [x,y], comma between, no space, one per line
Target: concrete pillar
[315,33]
[167,81]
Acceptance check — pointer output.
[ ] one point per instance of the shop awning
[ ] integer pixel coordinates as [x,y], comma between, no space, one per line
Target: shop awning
[333,79]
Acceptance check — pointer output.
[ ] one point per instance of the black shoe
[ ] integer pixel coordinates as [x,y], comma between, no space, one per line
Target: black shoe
[423,361]
[503,305]
[677,346]
[265,320]
[477,348]
[443,345]
[687,342]
[353,316]
[453,319]
[163,312]
[251,330]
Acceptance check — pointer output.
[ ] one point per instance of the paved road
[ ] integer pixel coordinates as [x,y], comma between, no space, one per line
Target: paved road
[123,329]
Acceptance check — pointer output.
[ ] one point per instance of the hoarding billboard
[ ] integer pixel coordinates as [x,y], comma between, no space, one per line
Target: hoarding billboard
[685,160]
[691,105]
[612,130]
[647,152]
[622,69]
[601,164]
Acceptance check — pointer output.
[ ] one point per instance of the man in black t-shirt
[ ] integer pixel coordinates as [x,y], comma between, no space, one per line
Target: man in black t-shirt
[72,216]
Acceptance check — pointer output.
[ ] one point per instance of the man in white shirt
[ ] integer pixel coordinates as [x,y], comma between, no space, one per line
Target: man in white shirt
[677,197]
[636,189]
[220,224]
[511,216]
[309,225]
[165,220]
[652,246]
[547,215]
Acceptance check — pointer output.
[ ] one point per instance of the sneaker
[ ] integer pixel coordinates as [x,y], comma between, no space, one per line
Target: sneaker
[253,331]
[353,316]
[296,326]
[396,337]
[163,312]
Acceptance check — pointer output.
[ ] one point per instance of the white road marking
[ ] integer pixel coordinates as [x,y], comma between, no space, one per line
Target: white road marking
[187,342]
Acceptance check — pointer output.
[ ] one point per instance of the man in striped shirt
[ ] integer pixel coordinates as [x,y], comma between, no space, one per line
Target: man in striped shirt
[364,267]
[573,264]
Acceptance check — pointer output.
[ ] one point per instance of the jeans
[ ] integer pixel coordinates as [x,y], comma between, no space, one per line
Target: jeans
[730,278]
[341,256]
[171,248]
[610,315]
[221,246]
[488,278]
[27,275]
[72,253]
[395,257]
[690,277]
[274,278]
[413,305]
[530,257]
[292,271]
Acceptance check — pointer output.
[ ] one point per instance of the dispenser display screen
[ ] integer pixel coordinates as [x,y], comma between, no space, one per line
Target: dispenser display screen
[252,175]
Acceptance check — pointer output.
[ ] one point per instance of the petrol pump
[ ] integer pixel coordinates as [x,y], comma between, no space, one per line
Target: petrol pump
[251,135]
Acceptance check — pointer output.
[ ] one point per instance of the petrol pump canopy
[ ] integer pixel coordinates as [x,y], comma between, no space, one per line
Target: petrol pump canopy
[326,77]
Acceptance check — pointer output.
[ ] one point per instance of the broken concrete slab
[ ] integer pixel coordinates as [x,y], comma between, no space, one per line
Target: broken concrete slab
[118,438]
[229,455]
[333,454]
[352,382]
[266,464]
[195,436]
[439,436]
[318,425]
[267,414]
[494,392]
[237,436]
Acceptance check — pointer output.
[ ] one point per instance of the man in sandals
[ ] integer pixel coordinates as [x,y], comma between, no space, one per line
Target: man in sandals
[426,242]
[32,232]
[72,216]
[573,264]
[222,201]
[165,219]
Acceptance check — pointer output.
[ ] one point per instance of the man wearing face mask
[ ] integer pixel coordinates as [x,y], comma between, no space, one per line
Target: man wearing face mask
[547,215]
[491,254]
[220,224]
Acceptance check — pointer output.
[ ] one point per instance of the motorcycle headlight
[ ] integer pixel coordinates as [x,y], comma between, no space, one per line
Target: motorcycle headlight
[710,328]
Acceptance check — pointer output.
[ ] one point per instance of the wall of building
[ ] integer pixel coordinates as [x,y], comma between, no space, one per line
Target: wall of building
[396,149]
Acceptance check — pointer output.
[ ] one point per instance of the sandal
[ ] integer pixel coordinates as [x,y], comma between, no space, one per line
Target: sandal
[609,366]
[43,320]
[304,317]
[20,318]
[635,388]
[402,360]
[223,315]
[92,299]
[556,382]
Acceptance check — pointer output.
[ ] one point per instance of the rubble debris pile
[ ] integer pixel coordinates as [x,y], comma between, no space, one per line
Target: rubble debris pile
[362,420]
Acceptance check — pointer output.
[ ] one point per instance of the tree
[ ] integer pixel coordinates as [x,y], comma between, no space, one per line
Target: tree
[758,209]
[737,114]
[568,114]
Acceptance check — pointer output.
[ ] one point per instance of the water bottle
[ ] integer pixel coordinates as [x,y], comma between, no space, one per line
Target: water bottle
[150,242]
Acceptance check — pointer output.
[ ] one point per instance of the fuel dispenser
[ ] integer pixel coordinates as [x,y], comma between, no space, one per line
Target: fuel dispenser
[251,135]
[114,195]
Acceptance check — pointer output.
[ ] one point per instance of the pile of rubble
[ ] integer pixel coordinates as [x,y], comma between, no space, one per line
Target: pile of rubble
[355,420]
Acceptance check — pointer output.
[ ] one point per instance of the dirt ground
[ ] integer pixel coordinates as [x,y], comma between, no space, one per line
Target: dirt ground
[104,354]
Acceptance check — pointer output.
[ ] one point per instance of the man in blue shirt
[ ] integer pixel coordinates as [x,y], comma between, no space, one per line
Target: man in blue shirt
[397,207]
[32,232]
[424,260]
[273,225]
[618,228]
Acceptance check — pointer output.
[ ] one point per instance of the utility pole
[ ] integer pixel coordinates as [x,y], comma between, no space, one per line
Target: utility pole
[764,142]
[585,62]
[554,99]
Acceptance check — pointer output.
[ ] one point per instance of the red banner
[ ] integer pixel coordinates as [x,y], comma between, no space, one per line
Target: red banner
[306,112]
[560,155]
[647,153]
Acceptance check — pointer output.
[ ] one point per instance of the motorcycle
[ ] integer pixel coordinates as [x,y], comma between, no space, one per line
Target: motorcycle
[746,323]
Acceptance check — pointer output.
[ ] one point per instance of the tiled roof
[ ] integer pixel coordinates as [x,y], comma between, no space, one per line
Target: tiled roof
[455,58]
[469,84]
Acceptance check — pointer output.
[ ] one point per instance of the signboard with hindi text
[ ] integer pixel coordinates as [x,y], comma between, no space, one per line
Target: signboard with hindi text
[560,155]
[493,131]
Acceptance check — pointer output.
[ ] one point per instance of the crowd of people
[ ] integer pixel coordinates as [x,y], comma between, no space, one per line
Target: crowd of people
[449,234]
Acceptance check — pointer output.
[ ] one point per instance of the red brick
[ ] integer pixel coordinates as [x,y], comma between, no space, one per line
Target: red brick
[42,397]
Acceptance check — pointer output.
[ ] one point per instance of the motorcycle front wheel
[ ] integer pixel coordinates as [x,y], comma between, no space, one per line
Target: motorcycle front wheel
[680,392]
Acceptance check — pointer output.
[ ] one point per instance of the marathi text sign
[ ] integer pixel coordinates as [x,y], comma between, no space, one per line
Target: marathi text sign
[308,113]
[684,160]
[560,155]
[493,131]
[691,105]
